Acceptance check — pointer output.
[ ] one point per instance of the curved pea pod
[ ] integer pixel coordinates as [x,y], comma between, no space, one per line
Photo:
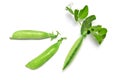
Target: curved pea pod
[32,34]
[73,52]
[45,56]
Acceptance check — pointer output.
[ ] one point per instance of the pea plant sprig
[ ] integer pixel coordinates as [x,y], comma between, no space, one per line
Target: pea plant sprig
[85,21]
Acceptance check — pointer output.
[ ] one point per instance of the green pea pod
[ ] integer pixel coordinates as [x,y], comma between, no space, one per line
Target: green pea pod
[73,51]
[45,56]
[32,34]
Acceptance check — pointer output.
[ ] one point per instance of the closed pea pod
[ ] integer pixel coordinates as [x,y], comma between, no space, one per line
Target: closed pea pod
[32,34]
[45,56]
[73,51]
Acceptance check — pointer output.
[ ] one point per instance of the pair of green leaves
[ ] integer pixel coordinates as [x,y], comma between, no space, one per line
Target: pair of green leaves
[98,32]
[79,14]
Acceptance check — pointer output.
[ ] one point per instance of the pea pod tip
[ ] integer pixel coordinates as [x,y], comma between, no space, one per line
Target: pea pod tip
[29,67]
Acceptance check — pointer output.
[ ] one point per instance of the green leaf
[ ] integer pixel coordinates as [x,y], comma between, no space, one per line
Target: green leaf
[76,11]
[87,23]
[70,10]
[99,33]
[83,12]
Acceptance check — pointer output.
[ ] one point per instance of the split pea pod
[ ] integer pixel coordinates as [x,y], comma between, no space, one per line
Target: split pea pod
[45,56]
[73,52]
[32,34]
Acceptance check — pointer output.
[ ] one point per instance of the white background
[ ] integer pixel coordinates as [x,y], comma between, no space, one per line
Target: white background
[92,62]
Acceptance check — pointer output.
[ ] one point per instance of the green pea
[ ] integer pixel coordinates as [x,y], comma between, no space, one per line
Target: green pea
[73,52]
[45,56]
[32,34]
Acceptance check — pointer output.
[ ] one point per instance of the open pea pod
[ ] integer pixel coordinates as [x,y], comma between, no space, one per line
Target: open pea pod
[32,34]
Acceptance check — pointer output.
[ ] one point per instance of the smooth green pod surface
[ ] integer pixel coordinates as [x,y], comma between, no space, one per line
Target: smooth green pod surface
[45,56]
[73,51]
[32,34]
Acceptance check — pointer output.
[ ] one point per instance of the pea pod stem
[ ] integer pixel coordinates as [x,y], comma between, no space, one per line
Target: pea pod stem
[73,51]
[45,56]
[33,35]
[52,36]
